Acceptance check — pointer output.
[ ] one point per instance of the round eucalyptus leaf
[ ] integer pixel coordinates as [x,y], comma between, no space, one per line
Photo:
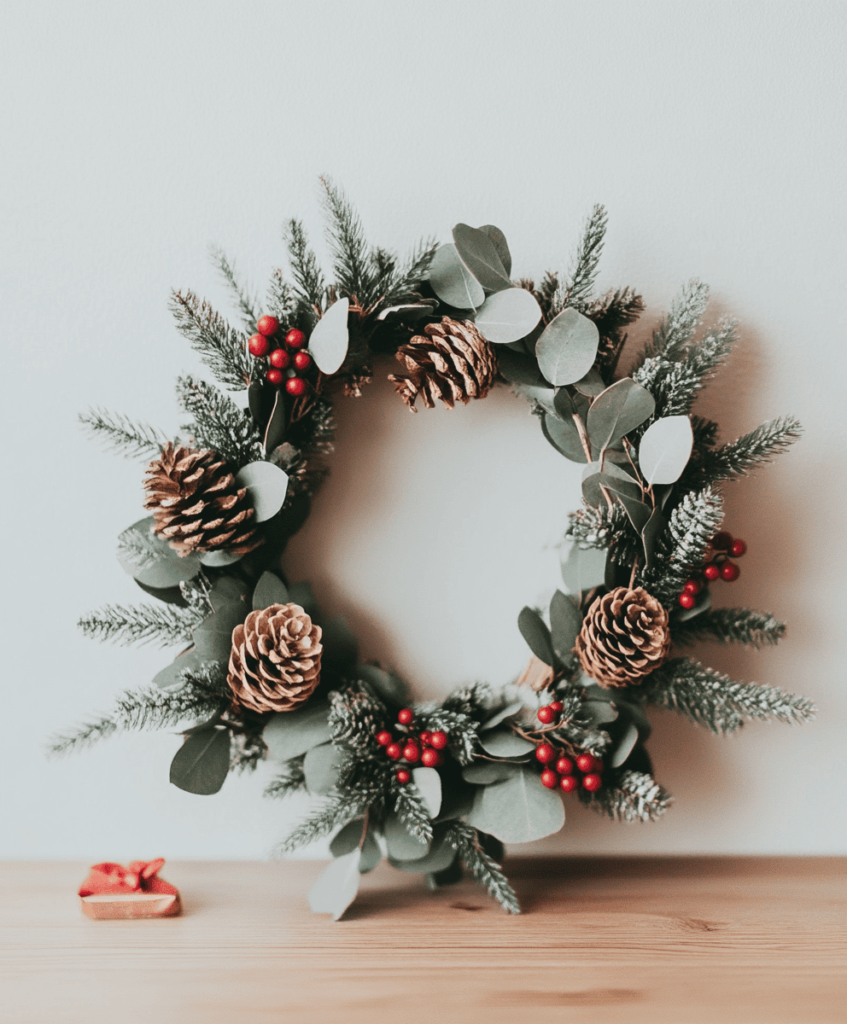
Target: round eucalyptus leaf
[451,280]
[568,347]
[266,485]
[501,246]
[479,254]
[219,559]
[665,449]
[151,560]
[508,315]
[337,887]
[330,339]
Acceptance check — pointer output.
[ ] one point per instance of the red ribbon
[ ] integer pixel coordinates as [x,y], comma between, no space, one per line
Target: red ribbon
[140,876]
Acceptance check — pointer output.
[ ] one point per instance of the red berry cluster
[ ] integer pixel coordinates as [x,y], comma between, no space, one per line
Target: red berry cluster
[290,358]
[560,771]
[719,566]
[423,747]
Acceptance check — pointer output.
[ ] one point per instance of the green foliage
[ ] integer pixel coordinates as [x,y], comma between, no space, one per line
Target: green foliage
[677,328]
[337,809]
[583,269]
[354,718]
[413,812]
[123,434]
[221,347]
[141,624]
[466,841]
[709,698]
[730,625]
[219,423]
[681,547]
[247,304]
[634,797]
[308,279]
[282,301]
[289,780]
[737,458]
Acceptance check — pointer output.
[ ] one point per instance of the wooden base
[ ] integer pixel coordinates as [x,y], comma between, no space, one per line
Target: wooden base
[680,940]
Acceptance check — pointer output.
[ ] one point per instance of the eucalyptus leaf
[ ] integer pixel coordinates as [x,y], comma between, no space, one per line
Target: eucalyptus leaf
[151,560]
[479,254]
[591,385]
[508,315]
[401,844]
[451,280]
[348,838]
[269,590]
[624,745]
[564,437]
[599,712]
[320,768]
[498,240]
[542,396]
[330,339]
[565,624]
[639,513]
[665,449]
[441,855]
[266,485]
[170,678]
[292,733]
[616,411]
[219,559]
[583,568]
[568,347]
[534,630]
[213,636]
[227,590]
[517,810]
[519,368]
[337,886]
[652,528]
[303,595]
[505,743]
[202,762]
[612,475]
[371,854]
[277,422]
[502,715]
[568,403]
[428,784]
[388,686]
[484,773]
[168,595]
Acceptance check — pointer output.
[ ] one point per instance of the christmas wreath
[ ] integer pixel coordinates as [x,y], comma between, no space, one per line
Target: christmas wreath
[435,787]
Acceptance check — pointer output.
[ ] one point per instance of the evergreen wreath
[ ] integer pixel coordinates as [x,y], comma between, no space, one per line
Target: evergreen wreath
[265,674]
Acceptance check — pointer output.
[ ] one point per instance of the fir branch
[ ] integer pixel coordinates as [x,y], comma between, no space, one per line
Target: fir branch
[677,328]
[125,436]
[760,446]
[291,779]
[730,625]
[465,840]
[352,263]
[282,301]
[709,698]
[141,624]
[139,548]
[413,812]
[461,728]
[336,810]
[246,303]
[583,270]
[402,283]
[145,708]
[635,797]
[616,309]
[221,347]
[219,423]
[681,547]
[304,266]
[354,718]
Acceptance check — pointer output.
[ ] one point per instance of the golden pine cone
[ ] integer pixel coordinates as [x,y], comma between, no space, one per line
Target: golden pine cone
[624,637]
[196,503]
[450,361]
[275,662]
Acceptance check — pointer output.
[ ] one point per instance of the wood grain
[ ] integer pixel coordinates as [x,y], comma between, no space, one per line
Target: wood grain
[658,939]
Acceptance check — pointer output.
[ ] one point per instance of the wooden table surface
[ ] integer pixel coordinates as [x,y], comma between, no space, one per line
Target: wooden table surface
[658,939]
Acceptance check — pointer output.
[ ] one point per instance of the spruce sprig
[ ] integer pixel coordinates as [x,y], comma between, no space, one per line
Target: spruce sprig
[220,346]
[247,304]
[164,624]
[352,264]
[730,625]
[337,809]
[289,780]
[583,270]
[219,423]
[758,447]
[635,797]
[413,812]
[677,328]
[682,545]
[308,277]
[123,434]
[465,840]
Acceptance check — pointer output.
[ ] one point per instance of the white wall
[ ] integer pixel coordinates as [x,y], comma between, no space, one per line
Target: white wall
[136,134]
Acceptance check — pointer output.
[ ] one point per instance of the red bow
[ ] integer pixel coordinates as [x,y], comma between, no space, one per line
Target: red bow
[140,876]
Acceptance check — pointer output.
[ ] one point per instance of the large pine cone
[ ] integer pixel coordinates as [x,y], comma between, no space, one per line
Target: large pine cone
[624,637]
[196,503]
[275,662]
[450,361]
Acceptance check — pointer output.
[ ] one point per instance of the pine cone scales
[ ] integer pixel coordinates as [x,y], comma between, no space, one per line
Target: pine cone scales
[196,503]
[275,662]
[450,361]
[624,637]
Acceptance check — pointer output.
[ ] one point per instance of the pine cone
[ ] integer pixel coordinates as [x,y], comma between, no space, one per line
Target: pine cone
[275,662]
[451,361]
[196,503]
[624,637]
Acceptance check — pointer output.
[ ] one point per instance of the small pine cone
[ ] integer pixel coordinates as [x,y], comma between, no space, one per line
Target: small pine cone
[624,637]
[450,361]
[196,503]
[275,662]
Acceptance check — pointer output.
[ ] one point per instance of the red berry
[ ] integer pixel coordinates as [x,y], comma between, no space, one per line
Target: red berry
[545,753]
[430,758]
[712,571]
[405,716]
[438,740]
[275,376]
[267,325]
[546,715]
[557,706]
[393,751]
[411,752]
[384,738]
[258,346]
[687,600]
[279,358]
[586,762]
[564,766]
[426,736]
[295,386]
[302,360]
[730,572]
[721,541]
[737,548]
[403,777]
[592,783]
[295,338]
[549,779]
[568,783]
[692,587]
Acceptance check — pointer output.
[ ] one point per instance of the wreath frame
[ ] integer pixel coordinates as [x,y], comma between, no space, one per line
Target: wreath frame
[439,785]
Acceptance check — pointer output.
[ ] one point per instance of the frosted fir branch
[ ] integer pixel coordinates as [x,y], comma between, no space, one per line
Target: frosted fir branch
[141,624]
[730,625]
[335,811]
[413,812]
[714,700]
[290,780]
[354,718]
[583,269]
[307,274]
[635,797]
[461,728]
[758,447]
[247,304]
[677,328]
[219,423]
[221,347]
[487,872]
[123,434]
